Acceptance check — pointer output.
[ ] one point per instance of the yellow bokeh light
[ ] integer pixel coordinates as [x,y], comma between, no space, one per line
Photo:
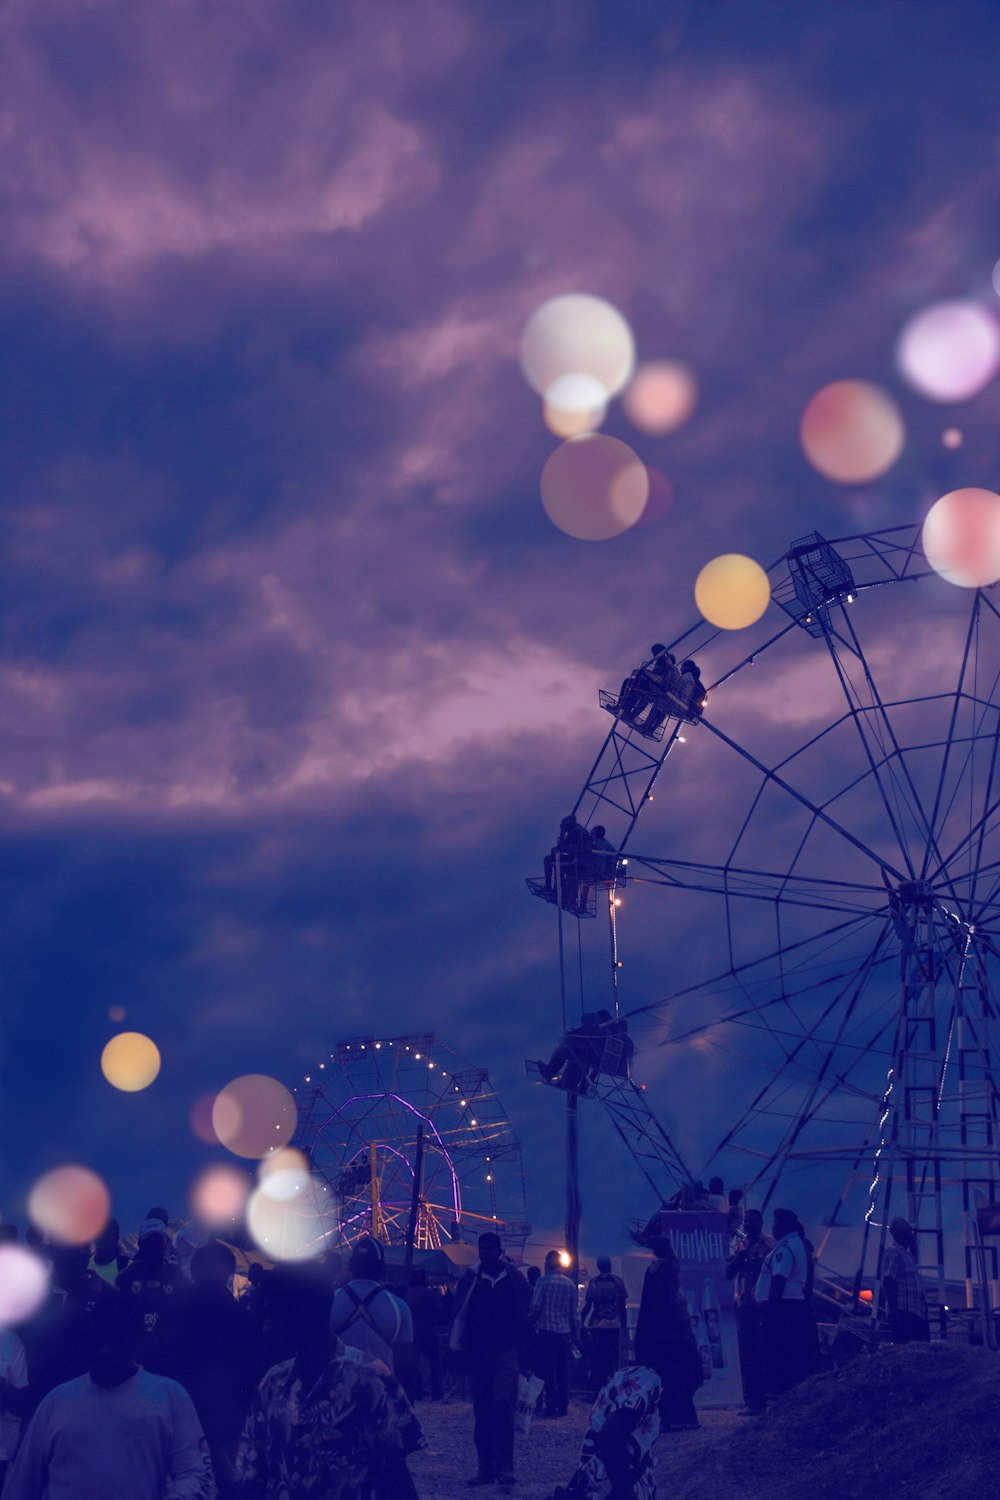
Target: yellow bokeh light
[253,1115]
[661,397]
[961,537]
[732,591]
[950,351]
[24,1284]
[130,1061]
[577,335]
[852,431]
[594,487]
[70,1204]
[219,1195]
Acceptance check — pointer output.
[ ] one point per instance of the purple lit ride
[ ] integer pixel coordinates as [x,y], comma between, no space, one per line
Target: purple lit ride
[405,1133]
[832,884]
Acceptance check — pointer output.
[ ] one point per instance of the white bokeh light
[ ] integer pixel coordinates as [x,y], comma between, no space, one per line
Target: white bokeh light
[577,335]
[24,1284]
[297,1228]
[950,351]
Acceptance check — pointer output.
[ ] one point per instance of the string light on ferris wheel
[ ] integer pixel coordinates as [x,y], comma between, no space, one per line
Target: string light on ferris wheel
[881,1147]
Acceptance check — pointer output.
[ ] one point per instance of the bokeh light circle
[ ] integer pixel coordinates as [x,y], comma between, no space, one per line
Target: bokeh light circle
[732,591]
[952,437]
[961,537]
[284,1175]
[24,1284]
[577,334]
[70,1204]
[659,500]
[130,1061]
[200,1120]
[219,1195]
[574,404]
[253,1115]
[852,431]
[116,1013]
[293,1229]
[594,487]
[661,397]
[950,351]
[567,424]
[996,278]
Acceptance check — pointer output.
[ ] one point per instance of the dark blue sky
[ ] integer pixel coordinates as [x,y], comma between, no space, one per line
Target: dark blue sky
[297,676]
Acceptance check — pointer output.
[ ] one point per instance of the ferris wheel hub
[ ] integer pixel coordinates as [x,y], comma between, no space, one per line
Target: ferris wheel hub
[916,895]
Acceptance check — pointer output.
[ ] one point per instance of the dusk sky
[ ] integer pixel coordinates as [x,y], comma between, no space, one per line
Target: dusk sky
[298,676]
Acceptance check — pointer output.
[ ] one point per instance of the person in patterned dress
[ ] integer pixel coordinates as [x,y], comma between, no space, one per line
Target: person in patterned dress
[617,1458]
[329,1424]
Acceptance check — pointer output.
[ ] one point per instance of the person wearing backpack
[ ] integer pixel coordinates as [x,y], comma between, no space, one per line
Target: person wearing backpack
[365,1314]
[603,1318]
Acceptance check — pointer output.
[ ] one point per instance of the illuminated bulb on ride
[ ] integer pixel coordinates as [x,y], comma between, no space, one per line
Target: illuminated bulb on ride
[618,901]
[565,1259]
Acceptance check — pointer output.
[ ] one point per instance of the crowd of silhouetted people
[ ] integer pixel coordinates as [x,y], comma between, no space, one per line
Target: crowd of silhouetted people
[145,1375]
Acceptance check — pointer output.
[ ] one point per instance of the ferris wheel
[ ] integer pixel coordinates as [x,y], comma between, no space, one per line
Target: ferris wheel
[823,866]
[412,1139]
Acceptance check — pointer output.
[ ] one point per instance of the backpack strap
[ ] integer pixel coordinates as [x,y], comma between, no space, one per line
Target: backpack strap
[361,1306]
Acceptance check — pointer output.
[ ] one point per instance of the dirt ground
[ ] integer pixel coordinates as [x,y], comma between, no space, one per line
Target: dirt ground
[546,1457]
[923,1421]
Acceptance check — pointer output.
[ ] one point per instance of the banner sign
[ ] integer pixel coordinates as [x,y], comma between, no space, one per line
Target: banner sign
[701,1244]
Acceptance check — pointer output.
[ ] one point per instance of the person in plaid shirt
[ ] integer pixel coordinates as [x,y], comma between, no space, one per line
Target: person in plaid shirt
[904,1291]
[553,1315]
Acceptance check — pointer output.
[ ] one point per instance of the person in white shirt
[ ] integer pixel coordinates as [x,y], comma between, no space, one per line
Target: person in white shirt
[366,1315]
[118,1432]
[13,1376]
[784,1292]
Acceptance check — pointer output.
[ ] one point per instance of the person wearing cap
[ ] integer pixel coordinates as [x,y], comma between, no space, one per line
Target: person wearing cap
[902,1287]
[151,1281]
[365,1314]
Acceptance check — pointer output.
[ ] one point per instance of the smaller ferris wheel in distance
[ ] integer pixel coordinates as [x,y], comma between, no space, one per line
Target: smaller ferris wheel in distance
[403,1129]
